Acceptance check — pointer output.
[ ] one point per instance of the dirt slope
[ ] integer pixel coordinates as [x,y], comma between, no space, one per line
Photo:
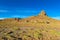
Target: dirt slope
[40,27]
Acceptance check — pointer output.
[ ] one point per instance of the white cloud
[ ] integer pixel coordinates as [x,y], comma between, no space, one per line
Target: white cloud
[27,11]
[57,17]
[1,18]
[21,11]
[19,16]
[3,10]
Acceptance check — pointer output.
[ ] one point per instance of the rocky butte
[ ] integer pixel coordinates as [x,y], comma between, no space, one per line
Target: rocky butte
[40,27]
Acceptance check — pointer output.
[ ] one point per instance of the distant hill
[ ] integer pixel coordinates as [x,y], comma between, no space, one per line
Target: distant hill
[40,27]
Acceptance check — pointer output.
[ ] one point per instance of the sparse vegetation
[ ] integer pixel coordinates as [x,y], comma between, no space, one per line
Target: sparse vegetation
[33,28]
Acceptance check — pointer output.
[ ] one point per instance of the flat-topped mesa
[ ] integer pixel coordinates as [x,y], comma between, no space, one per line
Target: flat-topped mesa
[42,13]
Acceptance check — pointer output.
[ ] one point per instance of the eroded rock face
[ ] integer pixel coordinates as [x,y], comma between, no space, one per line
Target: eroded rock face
[39,27]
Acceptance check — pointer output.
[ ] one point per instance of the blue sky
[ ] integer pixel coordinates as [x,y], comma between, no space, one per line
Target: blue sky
[26,8]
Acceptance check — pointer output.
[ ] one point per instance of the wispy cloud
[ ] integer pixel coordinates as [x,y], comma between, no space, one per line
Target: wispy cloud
[3,10]
[27,11]
[1,18]
[19,16]
[57,17]
[19,11]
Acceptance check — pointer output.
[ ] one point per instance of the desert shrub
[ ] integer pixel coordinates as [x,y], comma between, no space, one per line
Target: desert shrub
[10,32]
[19,39]
[4,38]
[47,22]
[27,20]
